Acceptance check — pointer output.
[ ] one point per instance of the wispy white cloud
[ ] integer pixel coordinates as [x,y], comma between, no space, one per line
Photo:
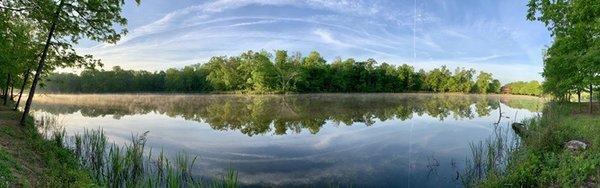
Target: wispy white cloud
[342,6]
[223,5]
[482,59]
[456,34]
[203,11]
[380,29]
[326,37]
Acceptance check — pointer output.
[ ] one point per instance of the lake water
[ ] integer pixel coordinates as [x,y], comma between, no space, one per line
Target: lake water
[364,140]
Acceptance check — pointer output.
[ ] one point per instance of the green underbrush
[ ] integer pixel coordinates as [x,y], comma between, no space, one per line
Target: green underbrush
[541,159]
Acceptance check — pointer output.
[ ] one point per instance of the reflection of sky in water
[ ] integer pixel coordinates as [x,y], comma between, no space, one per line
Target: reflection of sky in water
[389,153]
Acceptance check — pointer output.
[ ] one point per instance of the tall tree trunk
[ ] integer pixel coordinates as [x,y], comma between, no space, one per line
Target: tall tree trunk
[6,90]
[12,87]
[2,94]
[25,78]
[579,99]
[40,67]
[591,99]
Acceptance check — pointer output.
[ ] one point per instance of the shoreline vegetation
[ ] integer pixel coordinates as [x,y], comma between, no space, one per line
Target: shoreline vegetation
[29,160]
[261,73]
[132,164]
[539,157]
[40,154]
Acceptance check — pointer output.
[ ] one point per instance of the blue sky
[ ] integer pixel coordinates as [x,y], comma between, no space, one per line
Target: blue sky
[486,35]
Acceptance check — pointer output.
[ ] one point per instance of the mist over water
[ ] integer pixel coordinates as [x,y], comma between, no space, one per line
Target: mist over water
[375,140]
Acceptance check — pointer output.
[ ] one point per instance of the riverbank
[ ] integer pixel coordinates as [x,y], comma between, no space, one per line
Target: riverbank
[543,159]
[29,160]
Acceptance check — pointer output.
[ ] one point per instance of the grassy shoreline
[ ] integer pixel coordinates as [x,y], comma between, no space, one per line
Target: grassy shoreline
[541,160]
[29,160]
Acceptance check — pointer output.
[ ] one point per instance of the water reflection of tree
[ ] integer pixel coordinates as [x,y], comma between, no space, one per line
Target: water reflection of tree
[280,114]
[484,107]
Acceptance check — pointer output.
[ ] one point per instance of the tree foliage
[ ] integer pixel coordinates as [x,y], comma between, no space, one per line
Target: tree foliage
[261,72]
[525,88]
[572,62]
[27,25]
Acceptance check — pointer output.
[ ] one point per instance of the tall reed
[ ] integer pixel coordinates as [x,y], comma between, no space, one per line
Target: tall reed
[131,165]
[489,157]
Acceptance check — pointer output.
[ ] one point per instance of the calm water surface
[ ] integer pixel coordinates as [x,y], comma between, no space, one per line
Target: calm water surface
[365,140]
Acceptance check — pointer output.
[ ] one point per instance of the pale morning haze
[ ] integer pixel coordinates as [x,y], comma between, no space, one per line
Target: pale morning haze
[492,36]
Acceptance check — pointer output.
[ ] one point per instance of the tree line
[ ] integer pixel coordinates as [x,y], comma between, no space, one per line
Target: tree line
[533,88]
[572,62]
[261,72]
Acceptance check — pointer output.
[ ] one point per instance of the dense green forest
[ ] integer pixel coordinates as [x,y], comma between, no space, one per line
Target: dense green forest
[525,88]
[260,72]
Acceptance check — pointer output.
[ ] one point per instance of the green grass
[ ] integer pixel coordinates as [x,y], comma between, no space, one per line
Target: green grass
[541,159]
[61,165]
[7,164]
[27,159]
